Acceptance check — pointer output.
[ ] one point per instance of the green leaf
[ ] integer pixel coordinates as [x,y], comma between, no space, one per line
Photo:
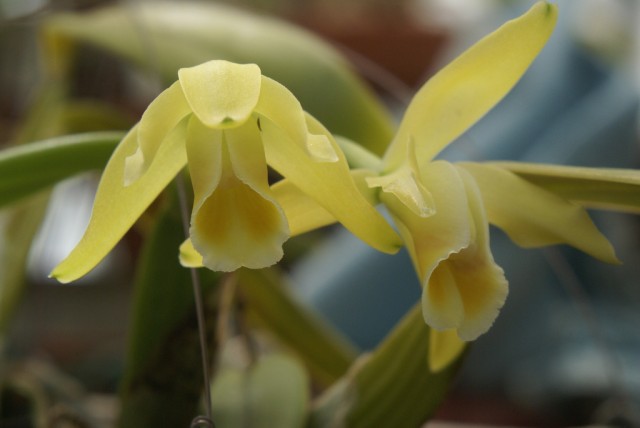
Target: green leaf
[163,378]
[322,349]
[29,168]
[604,188]
[271,392]
[163,37]
[392,387]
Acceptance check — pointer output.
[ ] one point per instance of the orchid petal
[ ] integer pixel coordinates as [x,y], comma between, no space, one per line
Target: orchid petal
[281,107]
[220,93]
[116,207]
[432,239]
[480,281]
[444,348]
[239,224]
[466,89]
[330,184]
[613,189]
[189,256]
[204,153]
[304,213]
[162,115]
[406,186]
[534,217]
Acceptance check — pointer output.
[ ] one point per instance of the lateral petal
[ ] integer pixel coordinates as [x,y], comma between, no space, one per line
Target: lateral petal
[162,115]
[117,207]
[220,93]
[466,89]
[330,184]
[281,107]
[534,217]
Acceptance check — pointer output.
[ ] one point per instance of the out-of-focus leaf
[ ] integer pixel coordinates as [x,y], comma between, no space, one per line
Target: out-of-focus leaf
[164,37]
[327,354]
[18,226]
[392,387]
[32,167]
[605,188]
[271,392]
[29,168]
[163,380]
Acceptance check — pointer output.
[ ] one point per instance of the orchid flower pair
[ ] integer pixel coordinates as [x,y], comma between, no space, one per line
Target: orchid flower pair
[228,123]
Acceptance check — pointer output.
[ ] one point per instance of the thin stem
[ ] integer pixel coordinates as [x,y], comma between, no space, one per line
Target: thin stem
[197,291]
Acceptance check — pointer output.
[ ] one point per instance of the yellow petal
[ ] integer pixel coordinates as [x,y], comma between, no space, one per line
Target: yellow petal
[442,305]
[463,288]
[466,89]
[304,213]
[444,347]
[479,281]
[406,186]
[240,224]
[189,256]
[534,217]
[329,184]
[605,188]
[220,93]
[162,115]
[281,107]
[432,239]
[116,207]
[204,153]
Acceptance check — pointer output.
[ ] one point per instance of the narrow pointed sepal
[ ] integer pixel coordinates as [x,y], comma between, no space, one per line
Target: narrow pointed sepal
[467,88]
[534,217]
[117,207]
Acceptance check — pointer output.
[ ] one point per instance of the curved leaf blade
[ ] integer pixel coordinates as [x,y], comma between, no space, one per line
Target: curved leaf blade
[29,168]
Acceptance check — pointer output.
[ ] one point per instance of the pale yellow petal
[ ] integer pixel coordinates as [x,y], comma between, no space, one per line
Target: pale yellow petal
[406,185]
[162,115]
[480,281]
[442,305]
[432,239]
[220,93]
[604,188]
[304,213]
[117,207]
[466,89]
[330,184]
[463,288]
[240,224]
[444,348]
[534,217]
[189,256]
[204,153]
[281,107]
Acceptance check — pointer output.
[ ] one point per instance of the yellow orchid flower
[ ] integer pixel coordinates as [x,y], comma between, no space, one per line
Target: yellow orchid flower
[227,122]
[442,210]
